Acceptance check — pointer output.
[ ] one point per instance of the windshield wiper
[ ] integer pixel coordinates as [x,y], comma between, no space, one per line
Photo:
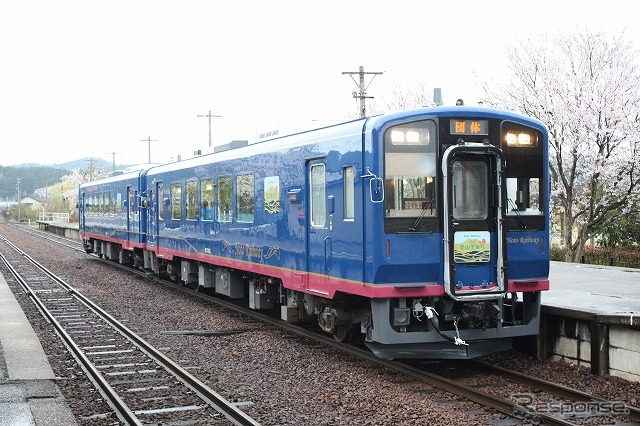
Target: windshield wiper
[519,218]
[428,205]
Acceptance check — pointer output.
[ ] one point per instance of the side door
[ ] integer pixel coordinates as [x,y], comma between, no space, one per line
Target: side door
[82,205]
[130,212]
[474,247]
[319,244]
[156,209]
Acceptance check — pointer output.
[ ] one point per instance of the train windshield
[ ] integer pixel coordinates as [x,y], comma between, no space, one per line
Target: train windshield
[524,176]
[410,174]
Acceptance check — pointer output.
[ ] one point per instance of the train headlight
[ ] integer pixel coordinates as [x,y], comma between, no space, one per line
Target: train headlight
[401,316]
[518,139]
[406,137]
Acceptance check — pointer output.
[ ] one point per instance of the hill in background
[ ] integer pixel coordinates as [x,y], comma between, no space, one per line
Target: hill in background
[28,177]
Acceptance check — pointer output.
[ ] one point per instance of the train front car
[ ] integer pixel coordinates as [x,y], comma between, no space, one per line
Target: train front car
[459,253]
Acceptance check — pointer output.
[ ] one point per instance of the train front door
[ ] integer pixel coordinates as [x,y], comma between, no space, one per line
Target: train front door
[474,249]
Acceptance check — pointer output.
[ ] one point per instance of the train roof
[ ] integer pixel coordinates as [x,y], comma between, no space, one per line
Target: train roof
[461,111]
[284,141]
[129,173]
[293,140]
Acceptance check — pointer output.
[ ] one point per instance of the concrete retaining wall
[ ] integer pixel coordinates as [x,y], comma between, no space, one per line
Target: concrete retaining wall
[602,344]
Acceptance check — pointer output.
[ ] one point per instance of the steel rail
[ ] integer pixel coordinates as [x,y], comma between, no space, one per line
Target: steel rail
[496,403]
[487,400]
[220,404]
[121,409]
[633,413]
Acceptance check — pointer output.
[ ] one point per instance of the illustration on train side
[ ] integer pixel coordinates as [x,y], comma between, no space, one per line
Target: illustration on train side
[424,233]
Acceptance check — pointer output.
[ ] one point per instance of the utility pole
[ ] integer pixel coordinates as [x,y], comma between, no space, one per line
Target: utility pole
[149,140]
[18,190]
[210,116]
[113,162]
[362,94]
[91,167]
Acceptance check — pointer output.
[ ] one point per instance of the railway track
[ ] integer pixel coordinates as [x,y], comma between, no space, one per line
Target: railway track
[544,401]
[587,404]
[140,383]
[523,406]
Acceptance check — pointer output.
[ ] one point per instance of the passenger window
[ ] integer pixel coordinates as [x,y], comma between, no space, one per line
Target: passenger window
[244,198]
[176,201]
[109,203]
[206,199]
[318,196]
[224,199]
[192,200]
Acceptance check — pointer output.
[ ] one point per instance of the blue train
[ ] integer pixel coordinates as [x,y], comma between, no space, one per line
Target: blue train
[424,232]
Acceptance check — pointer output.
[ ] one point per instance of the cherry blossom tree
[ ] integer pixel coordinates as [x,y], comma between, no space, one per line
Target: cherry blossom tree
[586,89]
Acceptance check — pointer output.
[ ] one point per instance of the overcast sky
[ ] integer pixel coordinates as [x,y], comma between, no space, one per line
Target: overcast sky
[85,79]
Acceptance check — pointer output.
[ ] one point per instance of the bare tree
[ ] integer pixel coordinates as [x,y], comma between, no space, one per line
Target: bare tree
[407,97]
[585,88]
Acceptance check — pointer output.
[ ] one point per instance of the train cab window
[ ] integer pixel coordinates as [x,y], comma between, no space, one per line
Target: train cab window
[525,165]
[410,176]
[224,199]
[318,204]
[523,196]
[176,201]
[349,179]
[206,199]
[245,193]
[192,200]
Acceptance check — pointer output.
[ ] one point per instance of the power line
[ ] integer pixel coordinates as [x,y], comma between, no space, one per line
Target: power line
[210,116]
[362,94]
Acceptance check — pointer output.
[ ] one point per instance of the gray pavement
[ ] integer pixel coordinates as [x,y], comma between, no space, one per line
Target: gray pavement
[600,290]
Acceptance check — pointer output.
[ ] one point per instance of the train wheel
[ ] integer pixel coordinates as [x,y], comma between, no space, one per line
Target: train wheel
[343,333]
[196,286]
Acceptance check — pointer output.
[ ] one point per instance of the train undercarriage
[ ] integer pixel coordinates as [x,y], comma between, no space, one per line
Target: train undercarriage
[430,327]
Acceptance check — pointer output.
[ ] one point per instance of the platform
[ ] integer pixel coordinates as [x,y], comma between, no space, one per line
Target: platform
[28,393]
[595,290]
[68,230]
[591,317]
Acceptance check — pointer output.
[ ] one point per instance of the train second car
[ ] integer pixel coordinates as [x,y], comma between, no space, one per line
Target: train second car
[423,232]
